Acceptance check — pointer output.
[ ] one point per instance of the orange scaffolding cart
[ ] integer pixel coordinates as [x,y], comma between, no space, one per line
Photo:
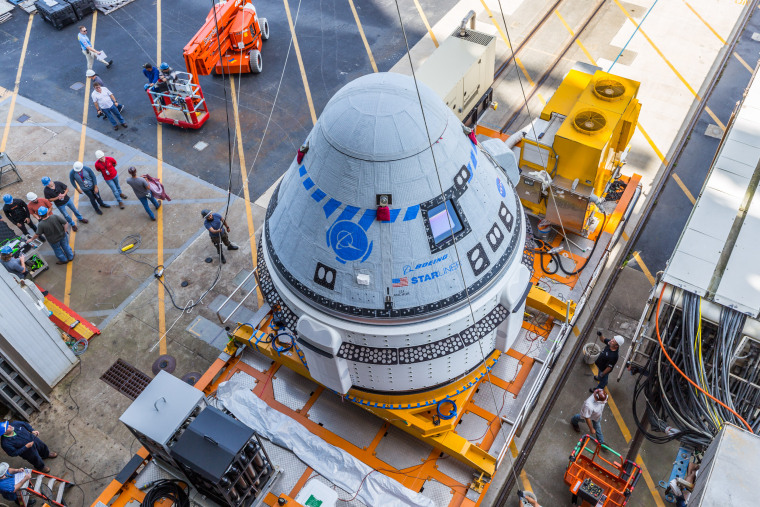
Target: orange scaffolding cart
[596,481]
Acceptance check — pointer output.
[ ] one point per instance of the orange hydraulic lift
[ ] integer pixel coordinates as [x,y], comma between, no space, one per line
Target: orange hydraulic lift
[596,481]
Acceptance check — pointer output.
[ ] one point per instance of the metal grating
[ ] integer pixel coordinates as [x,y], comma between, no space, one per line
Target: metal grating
[126,379]
[472,36]
[438,492]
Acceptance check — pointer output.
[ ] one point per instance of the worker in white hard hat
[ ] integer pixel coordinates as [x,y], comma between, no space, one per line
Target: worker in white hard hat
[83,179]
[94,78]
[591,412]
[607,359]
[9,486]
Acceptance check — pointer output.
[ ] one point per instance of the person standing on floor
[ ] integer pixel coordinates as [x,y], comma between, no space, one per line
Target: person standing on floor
[54,229]
[591,412]
[14,265]
[107,167]
[90,52]
[20,439]
[217,230]
[106,103]
[17,213]
[84,181]
[58,193]
[9,487]
[142,192]
[607,359]
[35,202]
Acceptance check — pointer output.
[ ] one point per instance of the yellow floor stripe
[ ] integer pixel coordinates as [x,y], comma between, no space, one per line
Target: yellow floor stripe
[654,46]
[496,24]
[525,482]
[715,118]
[300,62]
[506,41]
[706,23]
[683,187]
[80,156]
[577,41]
[7,129]
[625,236]
[644,268]
[651,143]
[364,37]
[650,483]
[425,21]
[627,436]
[741,60]
[244,177]
[162,348]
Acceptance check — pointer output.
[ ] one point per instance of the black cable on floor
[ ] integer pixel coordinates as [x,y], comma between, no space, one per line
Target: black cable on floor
[167,489]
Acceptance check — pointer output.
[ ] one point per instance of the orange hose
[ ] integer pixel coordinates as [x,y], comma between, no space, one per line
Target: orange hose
[662,346]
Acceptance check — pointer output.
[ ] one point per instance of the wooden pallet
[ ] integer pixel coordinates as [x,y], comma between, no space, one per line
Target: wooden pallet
[111,6]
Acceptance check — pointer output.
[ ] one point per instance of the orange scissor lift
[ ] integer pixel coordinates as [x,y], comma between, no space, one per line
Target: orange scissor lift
[596,481]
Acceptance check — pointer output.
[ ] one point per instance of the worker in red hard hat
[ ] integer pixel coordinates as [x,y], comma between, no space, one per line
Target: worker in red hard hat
[607,359]
[591,412]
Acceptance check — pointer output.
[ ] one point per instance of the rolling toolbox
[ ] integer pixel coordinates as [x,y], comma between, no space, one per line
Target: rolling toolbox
[56,12]
[82,7]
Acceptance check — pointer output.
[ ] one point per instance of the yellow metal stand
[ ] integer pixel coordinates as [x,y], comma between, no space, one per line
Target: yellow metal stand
[540,300]
[417,414]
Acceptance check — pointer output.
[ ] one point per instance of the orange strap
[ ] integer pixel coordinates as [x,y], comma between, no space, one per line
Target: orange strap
[657,326]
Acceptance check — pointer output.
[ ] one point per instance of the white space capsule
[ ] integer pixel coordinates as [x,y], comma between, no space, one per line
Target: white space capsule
[402,299]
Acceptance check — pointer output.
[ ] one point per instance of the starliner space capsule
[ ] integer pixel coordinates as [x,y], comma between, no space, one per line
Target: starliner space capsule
[398,267]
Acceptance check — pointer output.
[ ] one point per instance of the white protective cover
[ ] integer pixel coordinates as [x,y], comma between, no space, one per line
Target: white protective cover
[335,464]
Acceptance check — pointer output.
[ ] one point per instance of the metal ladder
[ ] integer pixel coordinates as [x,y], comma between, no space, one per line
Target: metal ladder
[47,487]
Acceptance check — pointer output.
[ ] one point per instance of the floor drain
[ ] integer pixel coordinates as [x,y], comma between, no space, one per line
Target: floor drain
[166,363]
[77,86]
[192,377]
[23,118]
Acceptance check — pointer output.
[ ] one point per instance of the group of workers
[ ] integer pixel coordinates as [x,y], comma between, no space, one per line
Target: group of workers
[53,228]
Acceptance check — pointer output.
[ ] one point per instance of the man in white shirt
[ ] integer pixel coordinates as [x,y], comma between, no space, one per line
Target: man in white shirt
[107,103]
[90,52]
[592,412]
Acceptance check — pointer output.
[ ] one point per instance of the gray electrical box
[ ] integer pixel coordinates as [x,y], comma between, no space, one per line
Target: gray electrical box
[461,70]
[729,471]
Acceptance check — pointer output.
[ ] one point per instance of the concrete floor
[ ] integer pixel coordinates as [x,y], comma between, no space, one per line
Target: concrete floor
[82,421]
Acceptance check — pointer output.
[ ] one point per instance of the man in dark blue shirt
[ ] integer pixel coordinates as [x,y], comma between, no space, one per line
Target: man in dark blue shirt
[9,487]
[217,230]
[607,359]
[151,73]
[20,439]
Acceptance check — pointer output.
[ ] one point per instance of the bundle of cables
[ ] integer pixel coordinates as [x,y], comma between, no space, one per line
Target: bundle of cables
[689,392]
[173,490]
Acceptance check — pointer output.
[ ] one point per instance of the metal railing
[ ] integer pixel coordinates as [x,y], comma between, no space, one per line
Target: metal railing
[240,286]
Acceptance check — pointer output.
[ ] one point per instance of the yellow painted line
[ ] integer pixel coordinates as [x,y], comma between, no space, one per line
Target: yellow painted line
[525,482]
[496,24]
[506,41]
[244,176]
[577,41]
[715,118]
[162,349]
[683,187]
[741,60]
[364,37]
[654,46]
[7,129]
[643,267]
[513,449]
[650,483]
[300,62]
[576,331]
[80,156]
[706,23]
[625,236]
[425,21]
[651,143]
[627,436]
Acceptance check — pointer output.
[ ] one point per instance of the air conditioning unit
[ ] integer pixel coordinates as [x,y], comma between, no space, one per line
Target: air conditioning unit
[461,70]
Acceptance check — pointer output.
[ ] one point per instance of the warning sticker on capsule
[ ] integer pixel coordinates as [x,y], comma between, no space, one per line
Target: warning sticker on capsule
[500,187]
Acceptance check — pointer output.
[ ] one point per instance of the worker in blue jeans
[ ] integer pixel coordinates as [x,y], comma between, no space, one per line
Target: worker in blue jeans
[58,193]
[53,228]
[591,412]
[142,192]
